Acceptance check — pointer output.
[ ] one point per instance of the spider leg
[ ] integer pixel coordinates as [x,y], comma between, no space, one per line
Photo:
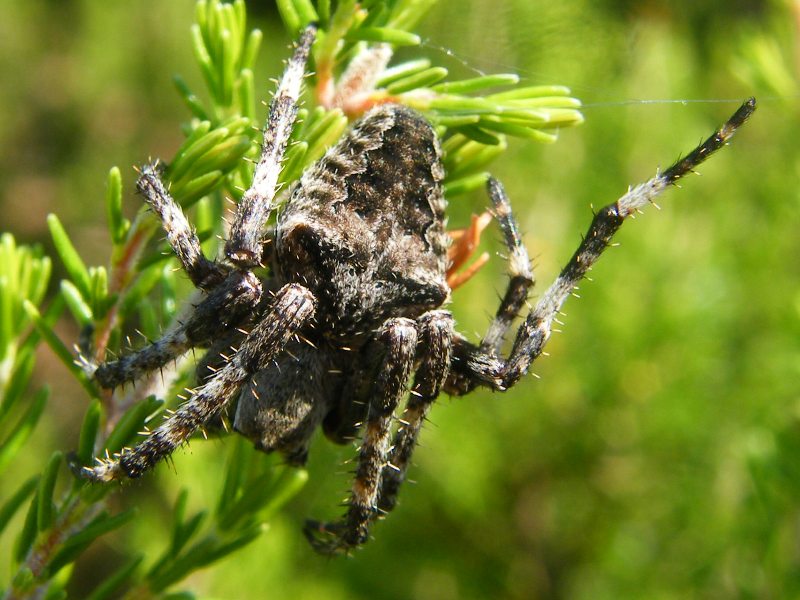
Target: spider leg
[519,266]
[244,244]
[204,273]
[228,305]
[473,364]
[516,295]
[436,335]
[292,309]
[399,339]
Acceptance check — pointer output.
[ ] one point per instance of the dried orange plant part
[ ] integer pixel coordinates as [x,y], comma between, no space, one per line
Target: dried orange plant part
[465,241]
[355,91]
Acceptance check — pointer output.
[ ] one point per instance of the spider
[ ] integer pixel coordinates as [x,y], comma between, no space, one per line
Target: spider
[352,306]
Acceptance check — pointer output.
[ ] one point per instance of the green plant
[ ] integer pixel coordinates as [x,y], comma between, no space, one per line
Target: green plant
[138,289]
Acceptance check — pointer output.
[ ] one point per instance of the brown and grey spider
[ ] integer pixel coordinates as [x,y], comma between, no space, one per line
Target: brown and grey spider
[352,306]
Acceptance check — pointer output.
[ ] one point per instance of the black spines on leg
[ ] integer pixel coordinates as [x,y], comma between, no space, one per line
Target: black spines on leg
[714,142]
[520,270]
[219,353]
[472,365]
[480,365]
[536,330]
[153,356]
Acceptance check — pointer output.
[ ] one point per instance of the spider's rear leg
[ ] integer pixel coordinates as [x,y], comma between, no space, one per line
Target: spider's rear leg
[292,309]
[244,244]
[398,336]
[228,305]
[472,363]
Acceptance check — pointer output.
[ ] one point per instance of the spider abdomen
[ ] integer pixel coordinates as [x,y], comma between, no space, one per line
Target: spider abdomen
[364,228]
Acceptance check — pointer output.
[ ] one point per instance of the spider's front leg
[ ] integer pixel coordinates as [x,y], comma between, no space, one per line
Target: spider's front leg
[292,309]
[521,280]
[398,337]
[381,469]
[475,365]
[230,304]
[244,246]
[204,273]
[243,249]
[519,267]
[436,340]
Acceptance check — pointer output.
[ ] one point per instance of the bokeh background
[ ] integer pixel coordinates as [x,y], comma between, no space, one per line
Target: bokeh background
[659,454]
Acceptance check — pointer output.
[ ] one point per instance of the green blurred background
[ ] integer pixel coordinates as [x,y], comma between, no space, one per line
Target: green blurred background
[659,454]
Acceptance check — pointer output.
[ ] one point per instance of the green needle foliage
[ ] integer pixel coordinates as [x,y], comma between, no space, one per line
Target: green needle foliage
[24,275]
[138,289]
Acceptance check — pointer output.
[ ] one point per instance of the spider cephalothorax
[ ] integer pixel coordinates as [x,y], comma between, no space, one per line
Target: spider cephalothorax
[351,307]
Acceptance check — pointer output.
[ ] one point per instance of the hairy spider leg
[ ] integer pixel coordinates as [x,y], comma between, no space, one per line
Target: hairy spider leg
[292,309]
[240,292]
[521,279]
[198,327]
[204,273]
[519,267]
[398,336]
[243,247]
[489,370]
[229,304]
[436,334]
[436,337]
